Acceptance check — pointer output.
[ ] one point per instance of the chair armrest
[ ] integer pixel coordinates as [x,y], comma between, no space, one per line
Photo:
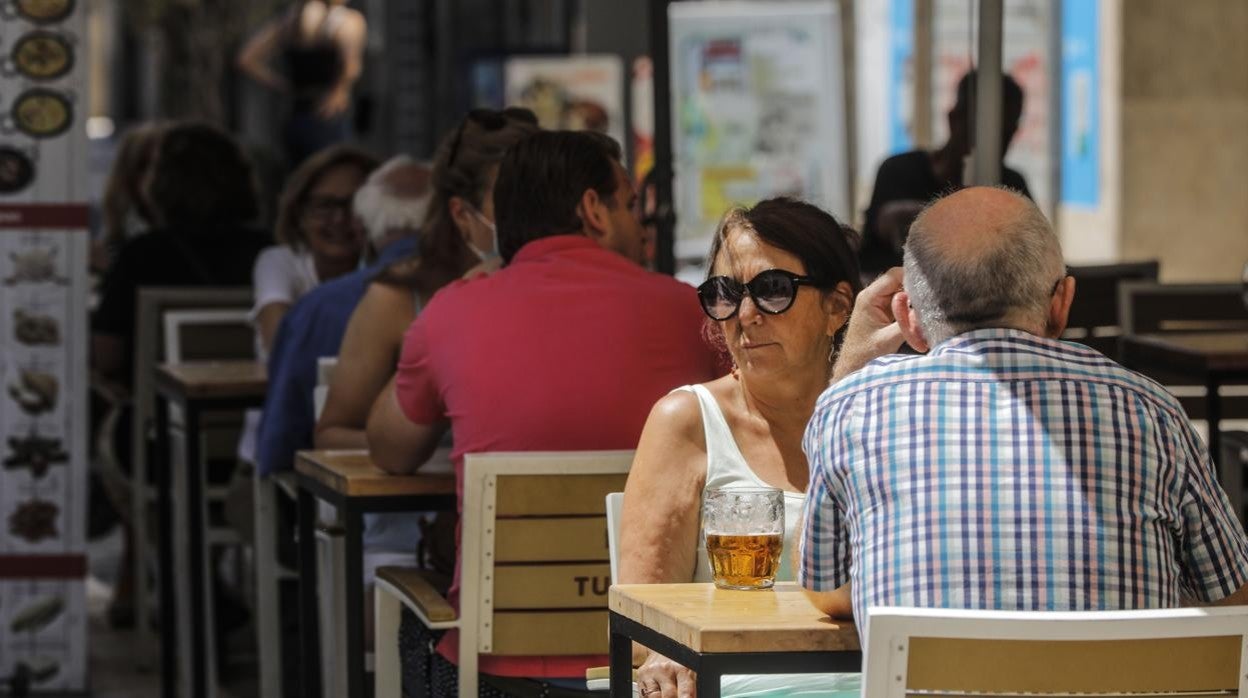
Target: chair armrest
[414,589]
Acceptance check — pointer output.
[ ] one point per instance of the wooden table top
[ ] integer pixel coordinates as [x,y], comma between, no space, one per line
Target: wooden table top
[214,379]
[706,619]
[352,474]
[1200,351]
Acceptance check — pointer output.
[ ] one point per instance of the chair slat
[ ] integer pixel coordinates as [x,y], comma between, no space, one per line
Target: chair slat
[529,540]
[551,587]
[1078,666]
[551,634]
[542,495]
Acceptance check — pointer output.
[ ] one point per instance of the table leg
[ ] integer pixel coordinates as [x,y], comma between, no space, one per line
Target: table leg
[708,682]
[199,621]
[164,514]
[621,662]
[354,589]
[309,644]
[1213,413]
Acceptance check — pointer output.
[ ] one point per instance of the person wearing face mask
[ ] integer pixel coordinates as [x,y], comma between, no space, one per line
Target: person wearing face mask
[457,238]
[565,347]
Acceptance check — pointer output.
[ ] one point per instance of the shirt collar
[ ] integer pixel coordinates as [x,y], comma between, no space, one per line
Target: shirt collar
[983,335]
[554,244]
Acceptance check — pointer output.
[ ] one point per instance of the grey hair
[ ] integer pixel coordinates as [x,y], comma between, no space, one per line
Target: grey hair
[1007,284]
[381,209]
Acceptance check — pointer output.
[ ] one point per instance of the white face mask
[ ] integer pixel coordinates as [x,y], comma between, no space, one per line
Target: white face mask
[481,254]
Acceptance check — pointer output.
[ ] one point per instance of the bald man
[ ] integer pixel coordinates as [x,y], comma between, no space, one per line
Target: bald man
[1003,468]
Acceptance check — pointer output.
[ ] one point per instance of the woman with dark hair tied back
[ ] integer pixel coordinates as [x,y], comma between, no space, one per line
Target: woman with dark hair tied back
[201,193]
[782,280]
[457,238]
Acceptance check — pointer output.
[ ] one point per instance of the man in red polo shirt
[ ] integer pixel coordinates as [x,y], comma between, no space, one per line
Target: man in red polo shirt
[565,348]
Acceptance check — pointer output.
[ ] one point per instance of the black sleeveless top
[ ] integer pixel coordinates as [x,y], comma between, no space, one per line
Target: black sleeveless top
[312,66]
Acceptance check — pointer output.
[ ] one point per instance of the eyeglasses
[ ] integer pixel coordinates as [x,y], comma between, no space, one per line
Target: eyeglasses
[322,208]
[489,120]
[773,292]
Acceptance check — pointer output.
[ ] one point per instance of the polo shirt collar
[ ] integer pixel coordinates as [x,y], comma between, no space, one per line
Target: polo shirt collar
[554,244]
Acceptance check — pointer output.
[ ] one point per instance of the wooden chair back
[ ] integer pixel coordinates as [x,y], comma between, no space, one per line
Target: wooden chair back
[1094,314]
[1189,652]
[206,334]
[535,560]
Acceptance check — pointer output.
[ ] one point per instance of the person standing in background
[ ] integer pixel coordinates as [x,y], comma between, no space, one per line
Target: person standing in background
[321,46]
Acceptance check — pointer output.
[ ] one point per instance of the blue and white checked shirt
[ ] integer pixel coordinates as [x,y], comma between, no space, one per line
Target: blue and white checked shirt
[1007,471]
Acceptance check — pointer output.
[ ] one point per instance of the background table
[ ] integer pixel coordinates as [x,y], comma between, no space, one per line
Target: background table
[1211,358]
[351,483]
[196,387]
[718,631]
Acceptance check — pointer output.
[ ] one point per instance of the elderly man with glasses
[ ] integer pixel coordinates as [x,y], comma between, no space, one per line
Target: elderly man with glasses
[1003,468]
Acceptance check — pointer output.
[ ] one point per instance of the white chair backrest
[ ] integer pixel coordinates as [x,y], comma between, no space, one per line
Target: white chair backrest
[325,366]
[226,328]
[615,507]
[1200,651]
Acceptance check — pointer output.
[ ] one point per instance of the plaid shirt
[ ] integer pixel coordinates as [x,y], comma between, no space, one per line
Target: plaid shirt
[1007,471]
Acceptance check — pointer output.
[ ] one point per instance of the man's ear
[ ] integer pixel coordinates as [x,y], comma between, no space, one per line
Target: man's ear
[1059,307]
[593,212]
[908,322]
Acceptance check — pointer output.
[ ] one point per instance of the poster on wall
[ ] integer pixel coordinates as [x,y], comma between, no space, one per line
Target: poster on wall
[758,110]
[1026,56]
[43,357]
[583,92]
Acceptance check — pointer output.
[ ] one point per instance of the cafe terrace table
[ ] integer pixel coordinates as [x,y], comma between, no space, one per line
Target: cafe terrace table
[1212,358]
[717,631]
[196,387]
[350,482]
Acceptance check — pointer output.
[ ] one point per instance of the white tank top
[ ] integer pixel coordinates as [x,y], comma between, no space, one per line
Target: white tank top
[726,467]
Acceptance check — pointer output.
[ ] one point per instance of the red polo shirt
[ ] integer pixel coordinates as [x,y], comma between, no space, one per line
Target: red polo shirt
[565,349]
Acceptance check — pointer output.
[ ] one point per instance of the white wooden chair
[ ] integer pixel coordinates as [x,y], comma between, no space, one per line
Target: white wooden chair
[534,564]
[939,652]
[152,304]
[198,334]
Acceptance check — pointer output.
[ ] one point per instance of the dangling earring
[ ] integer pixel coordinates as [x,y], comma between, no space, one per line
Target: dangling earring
[733,370]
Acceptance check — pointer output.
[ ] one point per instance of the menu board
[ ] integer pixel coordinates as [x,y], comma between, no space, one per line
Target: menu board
[758,110]
[43,345]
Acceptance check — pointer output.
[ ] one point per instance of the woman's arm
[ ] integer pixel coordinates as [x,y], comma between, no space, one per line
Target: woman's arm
[396,444]
[253,58]
[661,518]
[366,361]
[268,318]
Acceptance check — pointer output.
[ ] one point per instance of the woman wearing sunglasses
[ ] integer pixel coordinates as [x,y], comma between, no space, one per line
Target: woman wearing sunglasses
[783,276]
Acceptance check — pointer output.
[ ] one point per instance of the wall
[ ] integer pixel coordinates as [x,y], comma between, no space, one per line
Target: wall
[1185,136]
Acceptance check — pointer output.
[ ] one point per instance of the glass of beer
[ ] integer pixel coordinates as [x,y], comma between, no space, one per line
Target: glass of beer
[744,535]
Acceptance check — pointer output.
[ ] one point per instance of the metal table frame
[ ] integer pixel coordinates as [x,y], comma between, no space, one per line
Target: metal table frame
[351,510]
[193,408]
[712,666]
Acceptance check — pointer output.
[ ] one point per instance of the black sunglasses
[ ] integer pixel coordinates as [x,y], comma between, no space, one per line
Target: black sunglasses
[773,292]
[489,120]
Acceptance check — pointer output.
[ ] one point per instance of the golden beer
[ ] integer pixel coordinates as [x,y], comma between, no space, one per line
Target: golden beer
[744,561]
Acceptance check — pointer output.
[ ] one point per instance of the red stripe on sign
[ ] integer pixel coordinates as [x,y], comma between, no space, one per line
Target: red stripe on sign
[44,216]
[43,566]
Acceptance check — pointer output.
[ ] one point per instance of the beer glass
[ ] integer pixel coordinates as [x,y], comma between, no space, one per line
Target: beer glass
[744,535]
